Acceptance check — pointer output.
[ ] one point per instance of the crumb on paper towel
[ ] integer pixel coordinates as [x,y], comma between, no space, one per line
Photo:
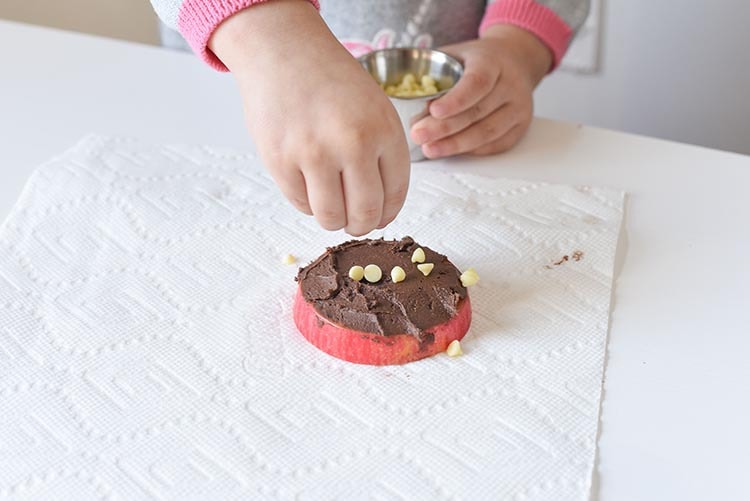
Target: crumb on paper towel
[575,256]
[289,259]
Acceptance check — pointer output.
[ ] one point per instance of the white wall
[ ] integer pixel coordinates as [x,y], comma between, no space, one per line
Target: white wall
[128,19]
[676,69]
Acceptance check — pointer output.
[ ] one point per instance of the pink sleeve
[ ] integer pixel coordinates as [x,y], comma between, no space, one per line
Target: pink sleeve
[198,19]
[535,18]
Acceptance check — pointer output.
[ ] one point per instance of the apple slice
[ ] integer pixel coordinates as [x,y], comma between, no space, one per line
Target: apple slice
[374,349]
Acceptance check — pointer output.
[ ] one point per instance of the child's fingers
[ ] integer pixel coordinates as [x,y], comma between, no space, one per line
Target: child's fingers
[493,127]
[394,172]
[477,81]
[502,144]
[363,196]
[431,129]
[324,191]
[292,185]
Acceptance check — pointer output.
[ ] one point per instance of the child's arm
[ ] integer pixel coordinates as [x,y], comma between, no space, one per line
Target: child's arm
[324,129]
[491,107]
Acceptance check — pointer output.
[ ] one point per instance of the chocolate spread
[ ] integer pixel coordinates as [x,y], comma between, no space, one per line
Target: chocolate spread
[409,307]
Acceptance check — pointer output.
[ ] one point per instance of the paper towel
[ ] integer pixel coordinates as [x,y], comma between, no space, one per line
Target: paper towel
[147,349]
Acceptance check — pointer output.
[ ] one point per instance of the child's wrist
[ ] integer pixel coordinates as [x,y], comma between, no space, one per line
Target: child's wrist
[535,55]
[262,28]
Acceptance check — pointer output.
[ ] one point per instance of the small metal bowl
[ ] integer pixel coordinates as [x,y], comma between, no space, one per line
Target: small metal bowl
[389,66]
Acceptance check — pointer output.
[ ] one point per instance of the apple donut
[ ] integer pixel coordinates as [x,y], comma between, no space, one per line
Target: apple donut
[394,319]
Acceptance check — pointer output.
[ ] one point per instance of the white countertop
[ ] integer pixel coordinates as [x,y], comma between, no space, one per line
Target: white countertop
[675,412]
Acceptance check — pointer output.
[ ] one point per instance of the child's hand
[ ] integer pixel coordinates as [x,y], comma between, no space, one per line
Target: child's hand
[490,108]
[324,129]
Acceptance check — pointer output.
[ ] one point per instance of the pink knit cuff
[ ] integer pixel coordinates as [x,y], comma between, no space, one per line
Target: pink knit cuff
[535,18]
[199,18]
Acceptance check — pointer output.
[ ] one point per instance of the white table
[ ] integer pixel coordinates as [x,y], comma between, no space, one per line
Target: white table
[675,422]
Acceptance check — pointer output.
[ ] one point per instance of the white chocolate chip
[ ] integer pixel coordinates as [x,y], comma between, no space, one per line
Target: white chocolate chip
[398,274]
[425,268]
[289,259]
[356,273]
[454,349]
[418,256]
[373,273]
[469,277]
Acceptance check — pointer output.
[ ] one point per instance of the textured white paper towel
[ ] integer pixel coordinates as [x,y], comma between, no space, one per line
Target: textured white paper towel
[147,349]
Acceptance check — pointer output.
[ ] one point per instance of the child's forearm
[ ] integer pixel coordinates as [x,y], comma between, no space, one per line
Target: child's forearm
[553,23]
[267,33]
[197,20]
[535,55]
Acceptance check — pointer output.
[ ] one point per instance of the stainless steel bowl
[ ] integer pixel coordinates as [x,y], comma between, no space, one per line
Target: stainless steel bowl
[389,66]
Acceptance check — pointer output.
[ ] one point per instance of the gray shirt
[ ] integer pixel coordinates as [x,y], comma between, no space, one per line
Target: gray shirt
[364,25]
